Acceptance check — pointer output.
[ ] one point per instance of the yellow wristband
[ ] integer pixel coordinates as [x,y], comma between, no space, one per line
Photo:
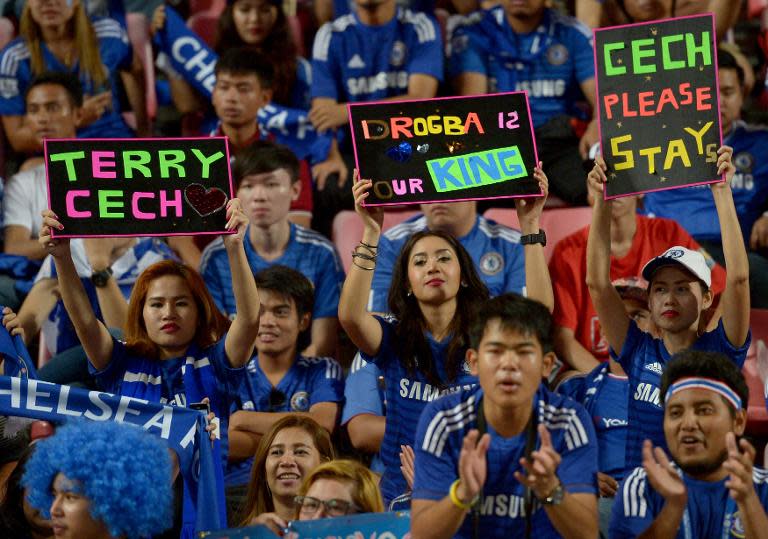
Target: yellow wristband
[455,497]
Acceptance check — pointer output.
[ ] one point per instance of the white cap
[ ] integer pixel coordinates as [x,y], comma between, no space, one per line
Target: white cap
[693,261]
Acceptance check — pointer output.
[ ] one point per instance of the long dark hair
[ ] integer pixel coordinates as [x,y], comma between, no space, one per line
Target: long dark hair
[410,342]
[259,497]
[13,522]
[278,46]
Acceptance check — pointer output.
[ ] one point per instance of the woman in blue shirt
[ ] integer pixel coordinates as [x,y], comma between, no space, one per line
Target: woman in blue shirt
[434,293]
[177,348]
[56,35]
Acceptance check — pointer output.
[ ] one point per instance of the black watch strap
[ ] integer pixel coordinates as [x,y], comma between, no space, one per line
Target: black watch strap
[530,239]
[101,278]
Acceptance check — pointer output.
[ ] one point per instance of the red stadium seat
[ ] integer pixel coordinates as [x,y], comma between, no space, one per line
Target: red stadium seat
[198,6]
[204,24]
[7,31]
[756,372]
[557,222]
[138,34]
[297,31]
[348,229]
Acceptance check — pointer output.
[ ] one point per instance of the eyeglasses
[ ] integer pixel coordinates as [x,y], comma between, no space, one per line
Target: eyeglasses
[333,508]
[276,400]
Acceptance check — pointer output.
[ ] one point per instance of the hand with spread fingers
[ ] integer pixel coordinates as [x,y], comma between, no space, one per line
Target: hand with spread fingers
[541,469]
[473,465]
[739,464]
[662,475]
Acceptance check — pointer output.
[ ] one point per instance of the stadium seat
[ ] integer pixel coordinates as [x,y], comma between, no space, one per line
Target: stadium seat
[138,34]
[756,372]
[294,23]
[348,229]
[557,222]
[204,24]
[198,6]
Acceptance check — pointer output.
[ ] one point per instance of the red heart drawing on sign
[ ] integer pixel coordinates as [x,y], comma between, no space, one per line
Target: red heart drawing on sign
[205,202]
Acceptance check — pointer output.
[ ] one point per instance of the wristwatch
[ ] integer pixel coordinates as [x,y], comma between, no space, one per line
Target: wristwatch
[530,239]
[555,497]
[101,278]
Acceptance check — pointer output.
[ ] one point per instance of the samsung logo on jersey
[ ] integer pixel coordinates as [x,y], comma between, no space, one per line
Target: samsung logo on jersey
[425,392]
[503,505]
[542,88]
[380,81]
[647,393]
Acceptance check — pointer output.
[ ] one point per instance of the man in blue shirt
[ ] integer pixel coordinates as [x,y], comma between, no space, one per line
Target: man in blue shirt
[693,208]
[381,51]
[710,489]
[266,181]
[495,249]
[508,458]
[280,378]
[523,46]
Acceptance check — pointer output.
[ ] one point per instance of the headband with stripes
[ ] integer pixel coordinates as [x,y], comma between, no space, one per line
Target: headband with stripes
[717,386]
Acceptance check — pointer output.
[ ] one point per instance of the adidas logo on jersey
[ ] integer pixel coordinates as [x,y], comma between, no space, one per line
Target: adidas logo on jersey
[356,62]
[654,367]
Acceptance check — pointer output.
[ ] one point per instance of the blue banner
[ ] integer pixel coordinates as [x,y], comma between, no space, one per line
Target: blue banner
[365,526]
[183,430]
[195,61]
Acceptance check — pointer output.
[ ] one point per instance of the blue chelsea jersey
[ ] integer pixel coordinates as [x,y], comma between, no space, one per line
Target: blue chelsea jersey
[354,62]
[710,512]
[406,395]
[307,252]
[116,54]
[643,358]
[502,508]
[495,249]
[549,63]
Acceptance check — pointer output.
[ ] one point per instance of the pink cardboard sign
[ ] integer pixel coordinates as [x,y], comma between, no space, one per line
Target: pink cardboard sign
[138,187]
[445,149]
[658,104]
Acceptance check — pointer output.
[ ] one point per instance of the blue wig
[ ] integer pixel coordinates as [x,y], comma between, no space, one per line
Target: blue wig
[124,472]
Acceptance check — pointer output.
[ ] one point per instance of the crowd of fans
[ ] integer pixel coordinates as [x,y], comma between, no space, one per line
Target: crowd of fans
[453,370]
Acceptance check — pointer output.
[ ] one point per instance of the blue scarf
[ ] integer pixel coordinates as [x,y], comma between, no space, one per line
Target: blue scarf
[195,61]
[183,430]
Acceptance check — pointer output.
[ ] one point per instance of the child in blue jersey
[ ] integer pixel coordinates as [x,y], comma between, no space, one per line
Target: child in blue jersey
[679,291]
[495,249]
[525,46]
[266,177]
[693,208]
[280,379]
[56,35]
[434,295]
[710,488]
[509,458]
[179,349]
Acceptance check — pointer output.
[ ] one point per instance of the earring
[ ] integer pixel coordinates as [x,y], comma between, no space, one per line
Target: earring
[409,293]
[464,284]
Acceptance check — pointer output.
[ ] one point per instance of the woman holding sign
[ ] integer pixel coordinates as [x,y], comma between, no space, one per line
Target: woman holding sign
[179,349]
[434,295]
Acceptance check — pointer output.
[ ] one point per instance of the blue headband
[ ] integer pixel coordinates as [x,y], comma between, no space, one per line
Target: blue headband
[705,383]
